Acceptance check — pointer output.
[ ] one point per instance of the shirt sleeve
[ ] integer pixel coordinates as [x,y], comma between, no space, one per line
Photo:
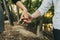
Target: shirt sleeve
[46,4]
[14,1]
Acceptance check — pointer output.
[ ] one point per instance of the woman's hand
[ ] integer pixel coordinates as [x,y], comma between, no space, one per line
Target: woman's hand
[26,17]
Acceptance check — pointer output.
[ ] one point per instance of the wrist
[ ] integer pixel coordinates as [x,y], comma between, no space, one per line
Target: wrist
[32,16]
[25,10]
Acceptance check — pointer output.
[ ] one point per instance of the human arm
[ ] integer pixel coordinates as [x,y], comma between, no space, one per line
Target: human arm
[46,4]
[19,4]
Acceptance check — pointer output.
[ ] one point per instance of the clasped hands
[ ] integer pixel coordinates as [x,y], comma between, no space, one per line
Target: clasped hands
[26,17]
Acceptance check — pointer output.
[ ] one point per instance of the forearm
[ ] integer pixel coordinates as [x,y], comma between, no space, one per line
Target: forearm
[36,14]
[20,5]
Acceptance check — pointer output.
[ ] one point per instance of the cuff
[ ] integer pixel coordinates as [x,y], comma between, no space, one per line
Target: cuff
[41,11]
[14,1]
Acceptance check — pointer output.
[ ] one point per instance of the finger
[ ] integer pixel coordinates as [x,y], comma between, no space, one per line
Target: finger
[26,15]
[21,18]
[26,21]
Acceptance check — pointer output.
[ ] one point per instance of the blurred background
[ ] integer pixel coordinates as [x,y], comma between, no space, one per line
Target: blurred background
[12,15]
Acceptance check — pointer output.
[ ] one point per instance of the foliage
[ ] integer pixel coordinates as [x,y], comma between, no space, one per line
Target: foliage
[32,6]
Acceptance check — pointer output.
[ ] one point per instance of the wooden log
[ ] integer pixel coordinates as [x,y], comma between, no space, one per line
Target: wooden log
[24,32]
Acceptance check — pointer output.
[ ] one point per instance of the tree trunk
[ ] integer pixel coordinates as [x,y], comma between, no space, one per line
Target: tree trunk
[6,5]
